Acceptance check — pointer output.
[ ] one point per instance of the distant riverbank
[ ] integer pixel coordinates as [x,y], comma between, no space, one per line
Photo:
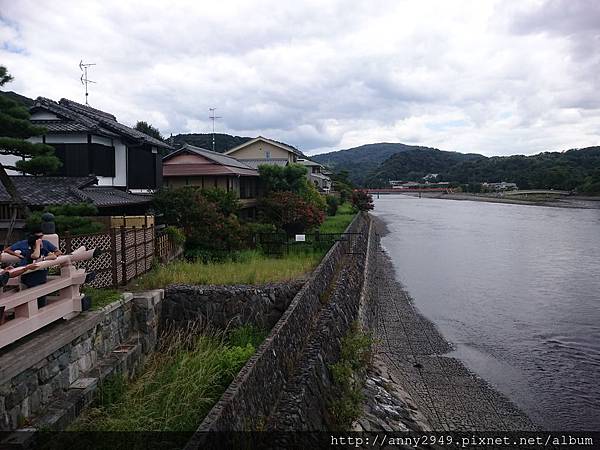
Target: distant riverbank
[586,202]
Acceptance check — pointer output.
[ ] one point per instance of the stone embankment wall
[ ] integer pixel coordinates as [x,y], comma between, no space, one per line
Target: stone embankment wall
[304,403]
[289,375]
[47,378]
[229,306]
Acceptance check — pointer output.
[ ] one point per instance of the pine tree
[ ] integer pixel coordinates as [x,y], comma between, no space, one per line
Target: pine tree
[15,128]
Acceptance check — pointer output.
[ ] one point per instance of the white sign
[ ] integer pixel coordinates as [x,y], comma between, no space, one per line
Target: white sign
[300,238]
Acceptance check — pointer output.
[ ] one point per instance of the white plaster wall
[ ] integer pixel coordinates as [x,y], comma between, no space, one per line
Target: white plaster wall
[71,138]
[102,140]
[10,160]
[44,115]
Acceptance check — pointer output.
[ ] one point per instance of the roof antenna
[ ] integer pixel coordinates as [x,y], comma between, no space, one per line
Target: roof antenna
[213,117]
[84,78]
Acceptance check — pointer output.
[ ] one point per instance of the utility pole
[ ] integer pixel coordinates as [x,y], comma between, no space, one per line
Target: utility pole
[213,117]
[84,78]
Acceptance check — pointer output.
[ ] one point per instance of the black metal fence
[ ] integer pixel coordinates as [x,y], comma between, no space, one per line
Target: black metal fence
[281,243]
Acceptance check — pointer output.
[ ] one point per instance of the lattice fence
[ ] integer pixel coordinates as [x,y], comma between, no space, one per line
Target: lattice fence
[126,253]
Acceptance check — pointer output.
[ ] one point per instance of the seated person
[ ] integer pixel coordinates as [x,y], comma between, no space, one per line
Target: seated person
[33,249]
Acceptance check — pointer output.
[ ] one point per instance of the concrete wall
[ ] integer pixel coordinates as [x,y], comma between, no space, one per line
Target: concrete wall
[47,378]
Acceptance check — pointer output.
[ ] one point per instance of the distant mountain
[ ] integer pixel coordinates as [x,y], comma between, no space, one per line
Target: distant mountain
[25,101]
[413,164]
[360,161]
[577,169]
[374,165]
[223,142]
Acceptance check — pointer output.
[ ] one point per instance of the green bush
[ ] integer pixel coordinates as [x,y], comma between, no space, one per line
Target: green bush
[348,377]
[206,218]
[175,234]
[332,205]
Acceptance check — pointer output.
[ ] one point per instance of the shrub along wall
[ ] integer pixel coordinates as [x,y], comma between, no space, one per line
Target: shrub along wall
[291,351]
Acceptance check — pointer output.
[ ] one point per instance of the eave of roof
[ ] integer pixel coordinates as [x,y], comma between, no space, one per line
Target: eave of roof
[268,141]
[217,158]
[188,170]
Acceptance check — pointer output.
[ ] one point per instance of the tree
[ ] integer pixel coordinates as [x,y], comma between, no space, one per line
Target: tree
[15,128]
[148,129]
[74,218]
[206,217]
[290,178]
[5,77]
[290,212]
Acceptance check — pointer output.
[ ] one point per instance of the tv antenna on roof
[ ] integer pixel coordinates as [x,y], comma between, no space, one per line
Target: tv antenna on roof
[213,118]
[84,78]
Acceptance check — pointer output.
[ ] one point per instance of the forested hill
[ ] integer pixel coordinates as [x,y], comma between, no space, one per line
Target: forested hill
[574,169]
[223,142]
[360,161]
[25,101]
[414,164]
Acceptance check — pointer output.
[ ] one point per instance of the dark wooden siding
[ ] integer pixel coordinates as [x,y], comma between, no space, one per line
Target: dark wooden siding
[142,170]
[102,160]
[85,159]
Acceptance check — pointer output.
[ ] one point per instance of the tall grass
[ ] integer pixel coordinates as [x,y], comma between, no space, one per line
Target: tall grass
[249,267]
[339,222]
[181,381]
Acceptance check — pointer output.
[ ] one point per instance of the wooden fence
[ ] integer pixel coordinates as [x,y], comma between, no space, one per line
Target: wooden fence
[126,253]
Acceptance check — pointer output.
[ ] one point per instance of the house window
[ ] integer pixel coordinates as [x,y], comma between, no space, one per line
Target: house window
[267,154]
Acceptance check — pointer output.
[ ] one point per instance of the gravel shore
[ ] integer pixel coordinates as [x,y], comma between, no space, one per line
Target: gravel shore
[415,379]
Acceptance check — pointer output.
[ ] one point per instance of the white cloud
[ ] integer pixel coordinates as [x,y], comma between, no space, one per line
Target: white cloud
[492,77]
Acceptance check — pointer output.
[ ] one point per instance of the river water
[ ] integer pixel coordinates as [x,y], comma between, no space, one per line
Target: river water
[515,289]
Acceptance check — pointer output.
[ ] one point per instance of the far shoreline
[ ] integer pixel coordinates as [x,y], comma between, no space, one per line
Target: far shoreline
[575,201]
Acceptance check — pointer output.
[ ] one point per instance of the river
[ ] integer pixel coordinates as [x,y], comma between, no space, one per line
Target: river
[515,289]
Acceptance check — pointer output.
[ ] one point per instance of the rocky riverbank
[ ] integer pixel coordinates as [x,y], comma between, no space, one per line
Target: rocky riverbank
[552,201]
[414,384]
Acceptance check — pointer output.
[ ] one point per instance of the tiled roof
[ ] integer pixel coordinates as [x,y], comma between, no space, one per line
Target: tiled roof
[43,191]
[308,162]
[91,119]
[221,164]
[103,196]
[63,126]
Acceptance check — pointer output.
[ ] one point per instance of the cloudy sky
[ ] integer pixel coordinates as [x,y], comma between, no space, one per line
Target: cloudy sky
[492,77]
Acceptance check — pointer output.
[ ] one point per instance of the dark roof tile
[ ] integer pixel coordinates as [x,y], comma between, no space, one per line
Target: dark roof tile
[92,119]
[44,191]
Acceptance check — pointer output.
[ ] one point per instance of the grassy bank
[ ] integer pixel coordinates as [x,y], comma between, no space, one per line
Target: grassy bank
[339,222]
[101,297]
[248,267]
[181,381]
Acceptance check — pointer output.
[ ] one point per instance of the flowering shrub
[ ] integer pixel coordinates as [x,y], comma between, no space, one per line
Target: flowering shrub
[206,218]
[290,212]
[362,201]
